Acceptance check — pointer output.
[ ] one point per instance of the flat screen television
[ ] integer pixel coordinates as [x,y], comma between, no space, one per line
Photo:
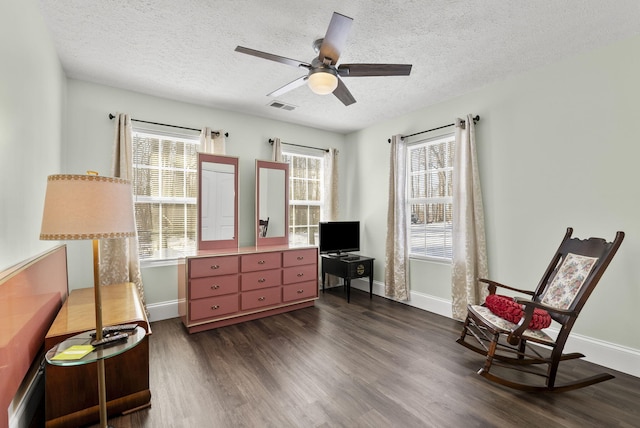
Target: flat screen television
[337,237]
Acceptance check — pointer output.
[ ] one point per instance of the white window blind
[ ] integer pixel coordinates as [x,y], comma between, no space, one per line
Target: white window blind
[305,197]
[430,198]
[165,190]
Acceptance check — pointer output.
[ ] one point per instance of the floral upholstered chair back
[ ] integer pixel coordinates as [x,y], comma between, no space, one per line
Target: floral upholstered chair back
[567,283]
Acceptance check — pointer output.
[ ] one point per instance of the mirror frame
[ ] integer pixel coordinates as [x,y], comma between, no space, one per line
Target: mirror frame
[222,243]
[277,240]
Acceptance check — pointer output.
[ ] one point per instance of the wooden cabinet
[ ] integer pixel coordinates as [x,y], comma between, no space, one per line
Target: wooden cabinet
[71,393]
[218,288]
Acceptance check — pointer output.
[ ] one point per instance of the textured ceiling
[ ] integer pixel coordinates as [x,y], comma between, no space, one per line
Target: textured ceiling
[184,50]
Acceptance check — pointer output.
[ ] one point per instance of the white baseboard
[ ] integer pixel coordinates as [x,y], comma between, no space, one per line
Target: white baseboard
[611,355]
[616,357]
[163,310]
[607,354]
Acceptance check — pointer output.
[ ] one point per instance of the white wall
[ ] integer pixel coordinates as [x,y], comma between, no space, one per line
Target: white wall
[32,94]
[89,143]
[557,147]
[32,91]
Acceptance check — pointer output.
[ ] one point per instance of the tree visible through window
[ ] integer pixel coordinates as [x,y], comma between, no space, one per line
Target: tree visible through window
[305,197]
[430,198]
[165,186]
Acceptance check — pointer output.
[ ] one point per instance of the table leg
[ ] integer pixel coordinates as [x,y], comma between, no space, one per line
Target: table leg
[371,286]
[323,280]
[348,282]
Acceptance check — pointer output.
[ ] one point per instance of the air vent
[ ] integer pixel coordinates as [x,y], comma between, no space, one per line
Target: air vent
[283,106]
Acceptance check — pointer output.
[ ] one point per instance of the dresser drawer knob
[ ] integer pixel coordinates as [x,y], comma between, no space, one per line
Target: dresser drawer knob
[215,287]
[261,299]
[261,280]
[300,257]
[214,267]
[300,291]
[214,307]
[261,262]
[301,274]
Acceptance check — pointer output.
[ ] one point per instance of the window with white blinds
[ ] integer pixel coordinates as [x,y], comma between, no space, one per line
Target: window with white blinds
[305,197]
[165,186]
[430,198]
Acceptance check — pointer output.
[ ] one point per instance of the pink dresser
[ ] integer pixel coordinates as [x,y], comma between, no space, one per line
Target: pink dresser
[223,287]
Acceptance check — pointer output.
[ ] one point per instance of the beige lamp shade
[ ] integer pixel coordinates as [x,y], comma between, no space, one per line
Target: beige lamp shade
[87,207]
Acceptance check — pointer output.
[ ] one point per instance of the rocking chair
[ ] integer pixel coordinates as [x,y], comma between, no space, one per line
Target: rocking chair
[516,341]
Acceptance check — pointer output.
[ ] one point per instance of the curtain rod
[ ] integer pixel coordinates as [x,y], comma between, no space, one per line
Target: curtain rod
[111,116]
[475,119]
[299,145]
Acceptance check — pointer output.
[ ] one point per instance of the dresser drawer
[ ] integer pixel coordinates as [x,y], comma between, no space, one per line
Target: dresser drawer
[260,279]
[213,286]
[300,274]
[260,298]
[260,261]
[303,290]
[299,257]
[213,307]
[209,266]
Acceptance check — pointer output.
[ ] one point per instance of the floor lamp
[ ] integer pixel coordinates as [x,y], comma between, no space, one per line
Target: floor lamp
[89,207]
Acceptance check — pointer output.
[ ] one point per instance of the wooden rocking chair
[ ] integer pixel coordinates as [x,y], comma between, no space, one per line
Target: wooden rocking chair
[573,273]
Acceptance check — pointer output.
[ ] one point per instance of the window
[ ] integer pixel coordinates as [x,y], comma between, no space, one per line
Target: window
[430,198]
[305,197]
[165,184]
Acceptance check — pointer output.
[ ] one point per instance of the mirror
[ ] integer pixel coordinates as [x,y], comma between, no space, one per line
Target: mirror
[272,203]
[217,202]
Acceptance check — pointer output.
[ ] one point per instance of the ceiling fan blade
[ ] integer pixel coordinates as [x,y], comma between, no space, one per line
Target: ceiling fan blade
[289,86]
[335,38]
[343,94]
[272,57]
[358,70]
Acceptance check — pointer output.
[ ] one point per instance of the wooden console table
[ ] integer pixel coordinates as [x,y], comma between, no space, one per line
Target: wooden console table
[348,267]
[71,393]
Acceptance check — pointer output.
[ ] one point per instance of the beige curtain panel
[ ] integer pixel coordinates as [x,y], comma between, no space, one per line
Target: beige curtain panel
[396,277]
[276,150]
[469,242]
[119,259]
[213,142]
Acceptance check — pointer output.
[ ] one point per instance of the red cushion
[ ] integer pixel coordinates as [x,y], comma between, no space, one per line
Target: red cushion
[506,308]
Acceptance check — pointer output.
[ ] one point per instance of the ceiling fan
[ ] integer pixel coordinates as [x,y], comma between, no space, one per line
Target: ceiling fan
[324,73]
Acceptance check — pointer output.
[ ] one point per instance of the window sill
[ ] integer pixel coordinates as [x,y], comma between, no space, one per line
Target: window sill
[431,259]
[144,264]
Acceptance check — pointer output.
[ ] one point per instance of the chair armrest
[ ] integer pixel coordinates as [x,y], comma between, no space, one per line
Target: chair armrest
[516,333]
[493,285]
[532,304]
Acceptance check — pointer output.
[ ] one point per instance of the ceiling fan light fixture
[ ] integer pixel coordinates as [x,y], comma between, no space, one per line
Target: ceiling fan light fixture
[323,81]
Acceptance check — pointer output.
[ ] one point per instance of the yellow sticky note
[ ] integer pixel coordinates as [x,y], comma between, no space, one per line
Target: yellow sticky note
[74,352]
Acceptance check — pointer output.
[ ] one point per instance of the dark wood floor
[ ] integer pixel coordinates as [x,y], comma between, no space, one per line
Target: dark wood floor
[371,363]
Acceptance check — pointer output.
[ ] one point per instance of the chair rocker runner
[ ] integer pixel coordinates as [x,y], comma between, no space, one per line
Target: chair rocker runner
[509,344]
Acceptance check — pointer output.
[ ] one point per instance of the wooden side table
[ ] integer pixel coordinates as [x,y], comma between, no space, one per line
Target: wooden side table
[348,267]
[71,393]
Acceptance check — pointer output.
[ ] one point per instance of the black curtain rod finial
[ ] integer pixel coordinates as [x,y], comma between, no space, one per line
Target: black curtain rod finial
[271,141]
[111,116]
[475,119]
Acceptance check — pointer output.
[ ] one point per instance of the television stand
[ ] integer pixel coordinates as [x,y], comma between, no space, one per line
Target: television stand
[343,256]
[347,267]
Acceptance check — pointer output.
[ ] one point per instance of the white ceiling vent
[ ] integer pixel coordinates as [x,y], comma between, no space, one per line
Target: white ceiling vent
[281,105]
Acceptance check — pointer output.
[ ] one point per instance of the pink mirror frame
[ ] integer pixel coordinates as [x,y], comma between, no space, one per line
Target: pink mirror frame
[260,189]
